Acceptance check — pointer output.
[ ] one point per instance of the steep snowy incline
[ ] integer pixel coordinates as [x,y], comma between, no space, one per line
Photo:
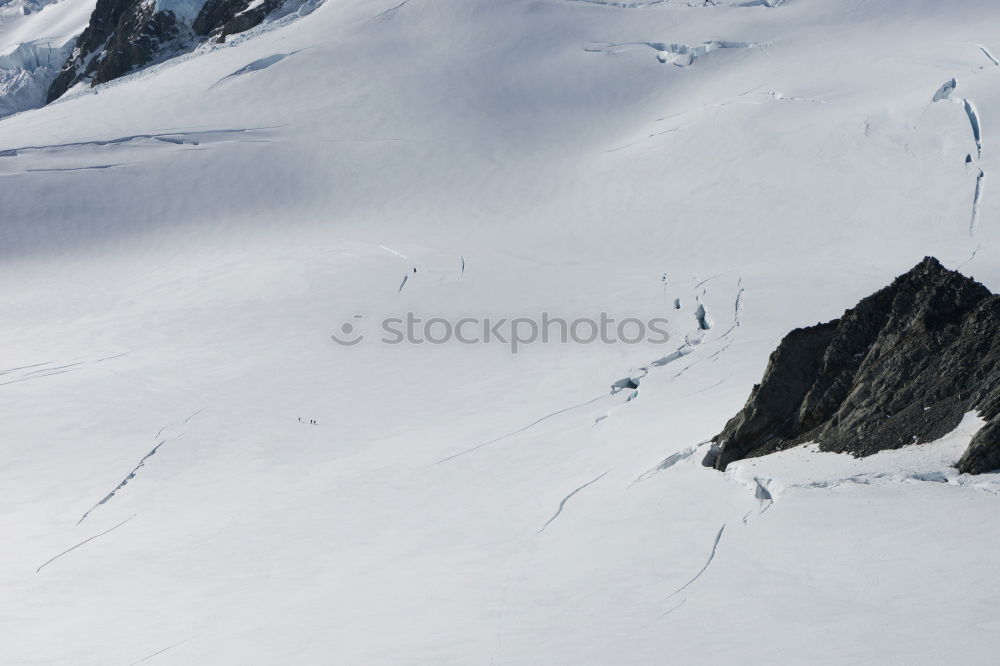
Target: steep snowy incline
[178,246]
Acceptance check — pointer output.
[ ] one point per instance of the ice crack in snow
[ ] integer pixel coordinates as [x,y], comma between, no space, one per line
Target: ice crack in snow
[166,137]
[520,430]
[387,12]
[135,470]
[562,504]
[976,202]
[680,55]
[169,647]
[68,550]
[711,556]
[667,463]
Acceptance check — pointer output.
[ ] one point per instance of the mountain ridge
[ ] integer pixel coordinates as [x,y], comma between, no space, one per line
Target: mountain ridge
[901,367]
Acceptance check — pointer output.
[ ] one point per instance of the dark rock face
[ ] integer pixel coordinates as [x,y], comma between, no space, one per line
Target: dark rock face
[123,35]
[126,35]
[228,17]
[983,454]
[901,367]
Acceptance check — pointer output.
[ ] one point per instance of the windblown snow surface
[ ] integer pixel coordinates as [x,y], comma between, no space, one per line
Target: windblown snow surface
[177,248]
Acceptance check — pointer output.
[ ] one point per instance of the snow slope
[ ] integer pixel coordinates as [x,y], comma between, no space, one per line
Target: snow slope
[177,247]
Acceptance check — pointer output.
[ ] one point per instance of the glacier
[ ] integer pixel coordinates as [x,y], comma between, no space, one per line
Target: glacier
[178,245]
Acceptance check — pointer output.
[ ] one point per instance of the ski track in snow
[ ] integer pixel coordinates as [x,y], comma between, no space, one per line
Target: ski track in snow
[711,556]
[782,97]
[562,504]
[69,550]
[394,252]
[135,470]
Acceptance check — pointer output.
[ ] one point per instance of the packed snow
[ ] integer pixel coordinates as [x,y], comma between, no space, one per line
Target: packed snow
[197,473]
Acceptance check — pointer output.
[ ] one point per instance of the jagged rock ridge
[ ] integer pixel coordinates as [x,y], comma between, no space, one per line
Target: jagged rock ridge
[902,367]
[125,35]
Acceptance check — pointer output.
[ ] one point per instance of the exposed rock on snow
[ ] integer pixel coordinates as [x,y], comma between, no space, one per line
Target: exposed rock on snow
[983,454]
[901,367]
[228,17]
[122,35]
[126,35]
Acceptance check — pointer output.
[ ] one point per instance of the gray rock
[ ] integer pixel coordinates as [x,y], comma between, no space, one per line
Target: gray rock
[227,17]
[122,36]
[901,367]
[126,35]
[983,454]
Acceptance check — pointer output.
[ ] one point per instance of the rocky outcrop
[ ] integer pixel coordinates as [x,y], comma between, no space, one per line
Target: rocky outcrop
[228,17]
[983,454]
[126,35]
[902,367]
[122,36]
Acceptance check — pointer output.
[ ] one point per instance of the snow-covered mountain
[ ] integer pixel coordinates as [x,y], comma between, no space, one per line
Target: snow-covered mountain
[126,35]
[196,472]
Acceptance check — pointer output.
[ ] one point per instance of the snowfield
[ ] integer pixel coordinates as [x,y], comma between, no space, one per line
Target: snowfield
[178,246]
